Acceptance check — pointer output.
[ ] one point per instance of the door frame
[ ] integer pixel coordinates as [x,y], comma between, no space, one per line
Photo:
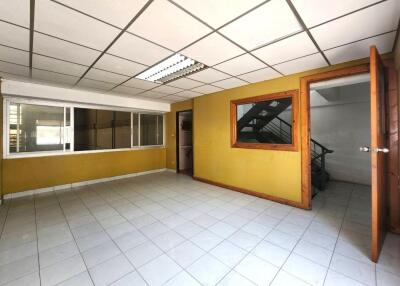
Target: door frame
[177,138]
[305,82]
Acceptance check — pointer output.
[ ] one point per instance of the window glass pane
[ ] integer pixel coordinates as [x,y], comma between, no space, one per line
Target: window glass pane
[148,129]
[122,134]
[68,128]
[267,121]
[104,129]
[35,128]
[84,129]
[135,129]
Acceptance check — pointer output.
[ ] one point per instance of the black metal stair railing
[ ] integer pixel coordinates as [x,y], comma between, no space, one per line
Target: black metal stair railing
[283,130]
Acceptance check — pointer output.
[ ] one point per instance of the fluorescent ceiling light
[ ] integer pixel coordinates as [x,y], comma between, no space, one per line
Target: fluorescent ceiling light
[172,68]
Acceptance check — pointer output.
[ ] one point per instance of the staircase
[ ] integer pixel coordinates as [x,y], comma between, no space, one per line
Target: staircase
[262,124]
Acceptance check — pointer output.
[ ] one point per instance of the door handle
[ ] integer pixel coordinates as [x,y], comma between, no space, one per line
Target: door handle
[375,150]
[365,149]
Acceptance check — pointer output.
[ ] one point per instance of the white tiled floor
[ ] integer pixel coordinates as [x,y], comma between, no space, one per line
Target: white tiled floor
[166,229]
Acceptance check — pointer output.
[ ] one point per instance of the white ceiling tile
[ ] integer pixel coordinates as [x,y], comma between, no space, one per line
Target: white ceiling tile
[14,36]
[358,50]
[240,65]
[51,77]
[94,84]
[269,22]
[185,83]
[167,89]
[59,66]
[217,13]
[118,65]
[372,21]
[230,83]
[152,94]
[57,20]
[188,93]
[293,47]
[105,76]
[209,75]
[14,69]
[56,48]
[16,11]
[117,13]
[303,64]
[212,50]
[142,84]
[14,56]
[136,49]
[314,12]
[169,26]
[260,75]
[207,89]
[127,90]
[10,76]
[173,98]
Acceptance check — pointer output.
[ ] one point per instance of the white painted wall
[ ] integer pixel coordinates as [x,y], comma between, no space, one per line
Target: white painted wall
[340,120]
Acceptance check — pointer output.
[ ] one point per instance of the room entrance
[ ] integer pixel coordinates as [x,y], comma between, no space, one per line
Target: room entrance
[184,145]
[378,148]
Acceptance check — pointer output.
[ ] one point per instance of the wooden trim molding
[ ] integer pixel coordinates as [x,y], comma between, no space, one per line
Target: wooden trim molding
[293,94]
[305,122]
[393,145]
[252,193]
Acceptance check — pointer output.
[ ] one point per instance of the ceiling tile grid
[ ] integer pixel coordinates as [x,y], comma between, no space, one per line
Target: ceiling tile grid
[14,56]
[55,65]
[117,13]
[14,36]
[359,25]
[57,20]
[241,64]
[239,40]
[164,23]
[269,22]
[16,11]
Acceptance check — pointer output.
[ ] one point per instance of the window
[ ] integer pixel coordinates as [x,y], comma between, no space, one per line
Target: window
[43,127]
[151,129]
[265,122]
[34,128]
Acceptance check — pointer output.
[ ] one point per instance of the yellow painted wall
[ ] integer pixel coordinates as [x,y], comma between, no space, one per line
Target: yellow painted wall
[171,131]
[276,173]
[39,172]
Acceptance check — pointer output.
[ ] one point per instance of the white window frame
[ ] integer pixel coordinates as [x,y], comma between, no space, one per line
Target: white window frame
[7,100]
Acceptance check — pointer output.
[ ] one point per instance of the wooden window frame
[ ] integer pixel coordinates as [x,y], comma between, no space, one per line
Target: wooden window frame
[294,95]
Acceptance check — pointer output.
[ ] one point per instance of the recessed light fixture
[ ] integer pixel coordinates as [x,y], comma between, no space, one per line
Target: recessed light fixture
[172,68]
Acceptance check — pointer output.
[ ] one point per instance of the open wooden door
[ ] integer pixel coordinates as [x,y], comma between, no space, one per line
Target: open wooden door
[378,151]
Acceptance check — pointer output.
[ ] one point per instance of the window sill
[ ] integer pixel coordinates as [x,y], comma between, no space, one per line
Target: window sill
[67,153]
[263,146]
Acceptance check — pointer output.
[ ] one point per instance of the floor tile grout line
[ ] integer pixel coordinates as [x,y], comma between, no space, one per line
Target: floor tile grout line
[107,201]
[206,252]
[338,238]
[5,218]
[291,252]
[122,252]
[37,241]
[76,244]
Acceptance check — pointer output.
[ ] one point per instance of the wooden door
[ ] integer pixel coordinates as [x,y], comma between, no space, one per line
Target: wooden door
[378,153]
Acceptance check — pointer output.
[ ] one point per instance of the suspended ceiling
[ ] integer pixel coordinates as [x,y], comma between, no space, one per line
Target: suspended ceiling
[102,45]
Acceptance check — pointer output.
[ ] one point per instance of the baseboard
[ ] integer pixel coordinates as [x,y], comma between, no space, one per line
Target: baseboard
[171,170]
[79,184]
[253,193]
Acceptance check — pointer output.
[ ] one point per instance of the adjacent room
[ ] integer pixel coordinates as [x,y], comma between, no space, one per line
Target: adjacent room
[199,143]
